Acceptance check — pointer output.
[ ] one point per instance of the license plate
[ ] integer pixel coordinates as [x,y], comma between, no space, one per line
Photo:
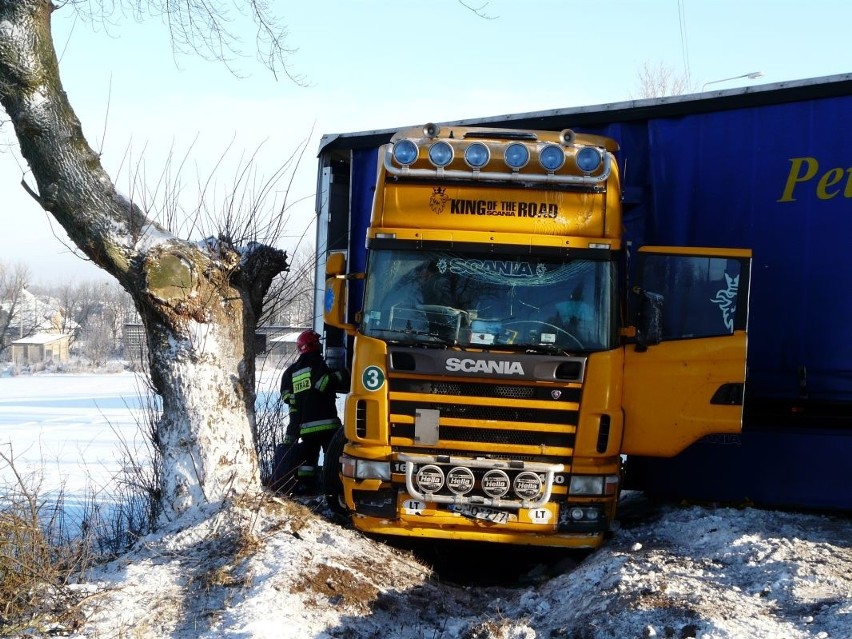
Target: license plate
[482,513]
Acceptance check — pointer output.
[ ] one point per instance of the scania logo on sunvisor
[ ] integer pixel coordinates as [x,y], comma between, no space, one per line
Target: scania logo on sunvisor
[498,367]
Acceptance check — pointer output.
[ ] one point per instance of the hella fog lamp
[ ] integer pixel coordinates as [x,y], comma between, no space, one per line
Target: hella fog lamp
[587,485]
[551,157]
[516,156]
[366,469]
[441,154]
[405,152]
[588,159]
[476,155]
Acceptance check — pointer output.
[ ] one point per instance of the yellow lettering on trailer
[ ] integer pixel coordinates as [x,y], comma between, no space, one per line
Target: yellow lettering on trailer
[805,169]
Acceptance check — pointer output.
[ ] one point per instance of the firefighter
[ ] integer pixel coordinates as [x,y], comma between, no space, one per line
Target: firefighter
[309,387]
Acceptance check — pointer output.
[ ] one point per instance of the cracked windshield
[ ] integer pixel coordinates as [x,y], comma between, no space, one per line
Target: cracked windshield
[451,298]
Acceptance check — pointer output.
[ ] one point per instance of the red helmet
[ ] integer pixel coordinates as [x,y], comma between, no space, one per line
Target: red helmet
[308,342]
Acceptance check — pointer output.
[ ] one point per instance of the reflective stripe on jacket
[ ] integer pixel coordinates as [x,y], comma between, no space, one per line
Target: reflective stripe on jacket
[310,387]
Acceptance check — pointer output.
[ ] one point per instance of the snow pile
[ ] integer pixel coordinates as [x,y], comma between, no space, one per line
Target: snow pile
[278,569]
[272,568]
[711,573]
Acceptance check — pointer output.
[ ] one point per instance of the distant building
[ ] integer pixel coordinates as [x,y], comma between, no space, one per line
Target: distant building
[35,329]
[135,346]
[278,342]
[282,346]
[41,348]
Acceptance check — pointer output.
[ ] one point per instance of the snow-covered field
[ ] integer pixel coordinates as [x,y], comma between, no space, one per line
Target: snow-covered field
[273,568]
[73,431]
[67,430]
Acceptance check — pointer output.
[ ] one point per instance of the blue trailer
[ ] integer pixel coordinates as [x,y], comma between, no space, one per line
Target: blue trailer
[767,168]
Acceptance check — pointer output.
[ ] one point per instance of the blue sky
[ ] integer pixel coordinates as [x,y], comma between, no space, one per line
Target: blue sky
[376,64]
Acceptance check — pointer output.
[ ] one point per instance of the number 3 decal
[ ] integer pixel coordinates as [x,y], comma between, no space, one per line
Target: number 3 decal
[373,378]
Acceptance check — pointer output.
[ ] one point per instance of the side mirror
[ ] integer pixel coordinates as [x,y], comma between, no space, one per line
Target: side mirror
[334,305]
[335,265]
[650,320]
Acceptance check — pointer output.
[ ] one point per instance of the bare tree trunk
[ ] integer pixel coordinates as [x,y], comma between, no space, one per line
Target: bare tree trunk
[199,302]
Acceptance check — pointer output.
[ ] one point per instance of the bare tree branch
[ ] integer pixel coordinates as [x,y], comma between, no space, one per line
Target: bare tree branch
[210,29]
[660,80]
[479,11]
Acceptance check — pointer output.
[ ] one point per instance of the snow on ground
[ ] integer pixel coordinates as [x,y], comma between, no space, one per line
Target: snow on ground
[275,568]
[280,571]
[67,428]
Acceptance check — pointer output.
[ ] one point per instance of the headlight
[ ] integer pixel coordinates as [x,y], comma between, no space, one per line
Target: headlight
[476,155]
[588,159]
[593,485]
[405,152]
[516,156]
[373,470]
[551,157]
[364,468]
[587,485]
[441,154]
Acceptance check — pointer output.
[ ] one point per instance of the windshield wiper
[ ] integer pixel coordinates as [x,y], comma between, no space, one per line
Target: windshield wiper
[522,348]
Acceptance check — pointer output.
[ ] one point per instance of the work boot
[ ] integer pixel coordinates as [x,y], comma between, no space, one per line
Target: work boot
[307,482]
[306,487]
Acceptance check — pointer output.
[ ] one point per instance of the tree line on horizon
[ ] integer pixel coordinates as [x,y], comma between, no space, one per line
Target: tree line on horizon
[95,313]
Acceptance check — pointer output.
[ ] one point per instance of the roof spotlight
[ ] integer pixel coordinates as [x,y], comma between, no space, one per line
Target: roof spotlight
[441,154]
[588,159]
[551,157]
[405,152]
[516,156]
[476,155]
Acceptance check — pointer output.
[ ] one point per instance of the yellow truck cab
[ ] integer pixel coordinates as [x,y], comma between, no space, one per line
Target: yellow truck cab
[503,360]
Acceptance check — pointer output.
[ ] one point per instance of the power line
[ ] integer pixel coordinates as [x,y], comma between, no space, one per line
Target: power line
[684,46]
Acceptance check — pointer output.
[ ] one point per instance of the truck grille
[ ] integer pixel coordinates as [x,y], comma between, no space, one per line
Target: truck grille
[488,413]
[512,437]
[538,420]
[476,389]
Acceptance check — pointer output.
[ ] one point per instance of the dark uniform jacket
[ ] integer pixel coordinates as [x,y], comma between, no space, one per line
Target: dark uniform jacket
[309,387]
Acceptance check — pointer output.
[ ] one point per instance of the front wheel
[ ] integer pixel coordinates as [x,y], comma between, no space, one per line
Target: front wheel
[331,484]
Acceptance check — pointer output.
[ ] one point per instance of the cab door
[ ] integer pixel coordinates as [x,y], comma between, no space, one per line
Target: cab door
[685,377]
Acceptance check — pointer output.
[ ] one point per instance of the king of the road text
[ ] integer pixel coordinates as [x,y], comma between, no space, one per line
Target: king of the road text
[506,208]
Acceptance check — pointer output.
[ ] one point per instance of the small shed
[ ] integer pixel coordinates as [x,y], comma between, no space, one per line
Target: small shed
[41,347]
[283,345]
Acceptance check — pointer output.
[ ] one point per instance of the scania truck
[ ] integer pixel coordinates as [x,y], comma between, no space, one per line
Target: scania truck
[509,346]
[652,367]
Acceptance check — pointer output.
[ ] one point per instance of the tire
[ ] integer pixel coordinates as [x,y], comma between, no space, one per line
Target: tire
[331,484]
